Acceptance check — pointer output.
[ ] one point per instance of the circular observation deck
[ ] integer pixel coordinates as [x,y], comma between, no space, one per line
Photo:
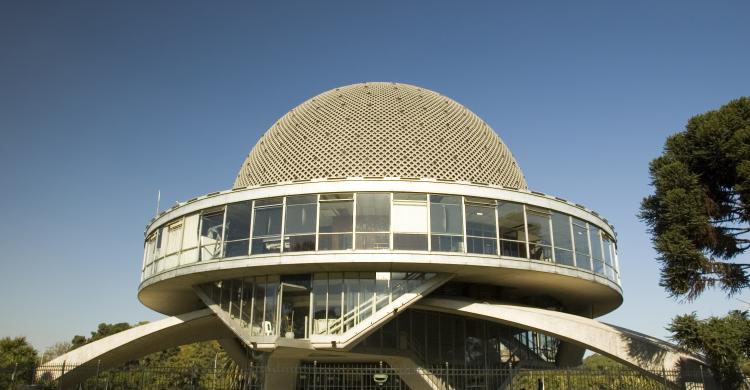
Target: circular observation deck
[372,182]
[529,244]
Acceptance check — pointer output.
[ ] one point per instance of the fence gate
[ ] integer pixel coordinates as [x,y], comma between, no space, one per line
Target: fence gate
[345,376]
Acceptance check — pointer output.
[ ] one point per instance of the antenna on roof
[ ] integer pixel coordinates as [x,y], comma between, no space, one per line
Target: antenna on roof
[158,199]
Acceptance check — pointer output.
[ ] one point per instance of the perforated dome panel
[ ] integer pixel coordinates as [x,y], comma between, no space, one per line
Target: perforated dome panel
[380,130]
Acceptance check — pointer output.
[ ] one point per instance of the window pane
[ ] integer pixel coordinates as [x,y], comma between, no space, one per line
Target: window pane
[410,242]
[446,215]
[561,231]
[332,242]
[211,232]
[320,293]
[581,241]
[480,221]
[267,221]
[485,246]
[258,306]
[373,212]
[336,217]
[299,243]
[272,290]
[373,241]
[513,248]
[540,239]
[238,221]
[334,300]
[236,248]
[441,243]
[596,249]
[266,245]
[564,256]
[410,217]
[510,221]
[237,229]
[301,214]
[539,227]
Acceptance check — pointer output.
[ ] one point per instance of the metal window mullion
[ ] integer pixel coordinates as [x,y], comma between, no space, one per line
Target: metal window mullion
[526,231]
[591,253]
[328,282]
[283,226]
[463,221]
[497,229]
[573,241]
[390,224]
[182,239]
[223,233]
[252,307]
[317,221]
[252,226]
[429,223]
[551,238]
[354,220]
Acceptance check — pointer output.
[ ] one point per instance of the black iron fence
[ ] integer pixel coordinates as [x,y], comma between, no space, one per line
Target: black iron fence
[340,376]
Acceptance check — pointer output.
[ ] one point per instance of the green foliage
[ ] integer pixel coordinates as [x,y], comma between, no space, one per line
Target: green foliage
[101,332]
[597,361]
[17,360]
[725,341]
[699,214]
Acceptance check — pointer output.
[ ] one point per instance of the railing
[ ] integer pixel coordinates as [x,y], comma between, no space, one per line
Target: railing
[335,376]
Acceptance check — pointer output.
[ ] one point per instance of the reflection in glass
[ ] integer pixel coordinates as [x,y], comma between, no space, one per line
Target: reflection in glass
[511,226]
[373,212]
[581,241]
[410,242]
[446,223]
[563,239]
[373,215]
[336,216]
[480,226]
[540,238]
[237,229]
[267,226]
[301,213]
[257,328]
[608,246]
[299,226]
[596,250]
[211,233]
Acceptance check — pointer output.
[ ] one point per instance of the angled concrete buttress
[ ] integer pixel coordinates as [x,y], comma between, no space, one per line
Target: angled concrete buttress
[111,351]
[634,349]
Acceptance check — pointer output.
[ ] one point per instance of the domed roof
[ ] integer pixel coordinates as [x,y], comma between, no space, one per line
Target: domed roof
[380,130]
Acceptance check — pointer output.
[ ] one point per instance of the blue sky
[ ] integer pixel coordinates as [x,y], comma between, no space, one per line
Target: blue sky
[103,103]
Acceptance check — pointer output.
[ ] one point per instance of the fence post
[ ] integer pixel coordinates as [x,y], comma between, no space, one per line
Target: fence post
[60,378]
[143,377]
[13,375]
[98,366]
[570,385]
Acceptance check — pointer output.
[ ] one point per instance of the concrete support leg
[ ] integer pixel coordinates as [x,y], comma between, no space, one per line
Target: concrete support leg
[281,370]
[415,376]
[236,351]
[569,355]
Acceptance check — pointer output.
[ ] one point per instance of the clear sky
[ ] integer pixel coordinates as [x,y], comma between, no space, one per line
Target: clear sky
[103,103]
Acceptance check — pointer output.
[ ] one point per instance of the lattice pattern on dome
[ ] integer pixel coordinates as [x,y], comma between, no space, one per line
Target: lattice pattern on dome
[380,130]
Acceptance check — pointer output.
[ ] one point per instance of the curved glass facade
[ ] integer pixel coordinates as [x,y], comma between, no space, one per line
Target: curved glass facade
[381,221]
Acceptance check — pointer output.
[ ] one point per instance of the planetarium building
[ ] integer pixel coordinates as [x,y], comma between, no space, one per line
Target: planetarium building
[383,224]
